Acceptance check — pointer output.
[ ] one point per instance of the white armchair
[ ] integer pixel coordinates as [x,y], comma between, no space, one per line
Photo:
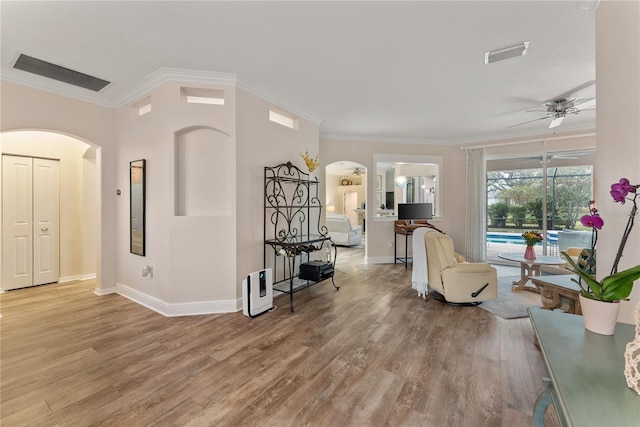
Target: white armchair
[454,279]
[342,232]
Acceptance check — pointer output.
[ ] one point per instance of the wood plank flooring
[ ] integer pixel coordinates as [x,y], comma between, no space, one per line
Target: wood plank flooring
[370,354]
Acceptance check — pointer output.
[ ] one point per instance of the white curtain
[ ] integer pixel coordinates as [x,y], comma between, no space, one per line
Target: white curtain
[476,217]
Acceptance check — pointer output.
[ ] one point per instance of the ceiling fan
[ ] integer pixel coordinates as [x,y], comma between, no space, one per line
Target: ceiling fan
[558,107]
[358,171]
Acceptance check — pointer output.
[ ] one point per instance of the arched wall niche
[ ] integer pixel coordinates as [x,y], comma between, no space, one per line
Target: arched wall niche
[203,172]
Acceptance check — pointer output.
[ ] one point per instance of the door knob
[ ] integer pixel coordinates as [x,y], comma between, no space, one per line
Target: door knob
[44,229]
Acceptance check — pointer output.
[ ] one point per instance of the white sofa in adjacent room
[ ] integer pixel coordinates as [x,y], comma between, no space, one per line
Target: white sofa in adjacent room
[342,232]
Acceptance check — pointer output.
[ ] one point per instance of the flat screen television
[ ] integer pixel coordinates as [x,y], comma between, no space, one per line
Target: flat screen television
[415,211]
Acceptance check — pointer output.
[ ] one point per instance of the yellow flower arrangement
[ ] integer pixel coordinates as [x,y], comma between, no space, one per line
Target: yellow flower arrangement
[311,163]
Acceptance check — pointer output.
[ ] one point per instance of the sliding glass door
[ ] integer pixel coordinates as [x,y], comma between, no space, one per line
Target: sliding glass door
[548,193]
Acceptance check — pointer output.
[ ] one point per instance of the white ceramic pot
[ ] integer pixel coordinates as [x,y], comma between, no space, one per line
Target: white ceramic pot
[599,317]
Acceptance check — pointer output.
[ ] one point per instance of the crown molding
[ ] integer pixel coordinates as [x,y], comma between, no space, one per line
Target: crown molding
[382,139]
[160,76]
[541,138]
[165,74]
[295,110]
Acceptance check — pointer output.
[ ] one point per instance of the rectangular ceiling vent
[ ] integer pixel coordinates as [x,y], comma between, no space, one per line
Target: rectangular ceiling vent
[56,72]
[506,53]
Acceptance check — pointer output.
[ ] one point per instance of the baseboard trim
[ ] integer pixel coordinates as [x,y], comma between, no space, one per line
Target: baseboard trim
[106,291]
[178,309]
[67,279]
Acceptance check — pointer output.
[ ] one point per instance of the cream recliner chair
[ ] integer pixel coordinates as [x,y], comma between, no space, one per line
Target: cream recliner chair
[457,281]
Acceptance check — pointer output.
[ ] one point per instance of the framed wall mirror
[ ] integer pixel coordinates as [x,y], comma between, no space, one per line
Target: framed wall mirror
[408,179]
[137,206]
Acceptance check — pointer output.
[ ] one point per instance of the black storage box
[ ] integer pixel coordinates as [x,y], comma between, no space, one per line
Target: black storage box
[316,270]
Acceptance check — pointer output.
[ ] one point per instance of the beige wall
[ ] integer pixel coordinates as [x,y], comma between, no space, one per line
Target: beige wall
[69,151]
[331,196]
[199,261]
[91,212]
[31,109]
[380,235]
[261,143]
[190,255]
[618,123]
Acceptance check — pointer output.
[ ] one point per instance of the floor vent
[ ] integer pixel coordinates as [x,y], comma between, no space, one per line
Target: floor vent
[56,72]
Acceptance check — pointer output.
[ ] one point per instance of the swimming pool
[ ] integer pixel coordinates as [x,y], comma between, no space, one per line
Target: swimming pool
[516,238]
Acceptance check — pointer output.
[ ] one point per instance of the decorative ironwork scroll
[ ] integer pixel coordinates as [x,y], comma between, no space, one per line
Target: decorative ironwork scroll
[291,204]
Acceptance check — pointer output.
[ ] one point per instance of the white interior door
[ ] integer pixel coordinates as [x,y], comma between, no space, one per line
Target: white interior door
[350,206]
[30,221]
[17,222]
[46,218]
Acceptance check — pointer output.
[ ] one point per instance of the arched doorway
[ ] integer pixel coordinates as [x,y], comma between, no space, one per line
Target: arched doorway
[346,197]
[79,196]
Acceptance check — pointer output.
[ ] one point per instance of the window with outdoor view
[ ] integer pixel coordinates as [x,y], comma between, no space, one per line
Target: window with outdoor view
[545,193]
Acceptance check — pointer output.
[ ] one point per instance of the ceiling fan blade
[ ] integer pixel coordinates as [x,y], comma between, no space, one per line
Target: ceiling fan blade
[530,121]
[568,93]
[556,122]
[585,104]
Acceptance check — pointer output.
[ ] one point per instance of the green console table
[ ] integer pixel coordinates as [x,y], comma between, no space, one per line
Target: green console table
[587,385]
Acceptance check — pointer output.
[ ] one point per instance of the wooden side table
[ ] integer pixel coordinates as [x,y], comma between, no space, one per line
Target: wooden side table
[554,290]
[529,268]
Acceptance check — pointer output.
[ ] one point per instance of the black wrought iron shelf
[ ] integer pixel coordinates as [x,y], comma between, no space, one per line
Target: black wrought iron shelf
[292,230]
[295,180]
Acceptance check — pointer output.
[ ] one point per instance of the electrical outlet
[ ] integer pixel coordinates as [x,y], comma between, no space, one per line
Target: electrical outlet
[390,243]
[147,270]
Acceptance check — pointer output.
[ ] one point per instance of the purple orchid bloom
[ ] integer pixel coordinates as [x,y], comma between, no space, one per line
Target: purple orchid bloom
[592,221]
[619,190]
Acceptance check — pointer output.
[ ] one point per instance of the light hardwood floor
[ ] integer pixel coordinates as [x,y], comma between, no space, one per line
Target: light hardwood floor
[370,354]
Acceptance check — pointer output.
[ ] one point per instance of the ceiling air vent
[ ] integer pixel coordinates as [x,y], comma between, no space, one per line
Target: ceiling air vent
[506,53]
[56,72]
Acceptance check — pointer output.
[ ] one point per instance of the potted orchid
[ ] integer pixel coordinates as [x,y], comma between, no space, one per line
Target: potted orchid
[618,284]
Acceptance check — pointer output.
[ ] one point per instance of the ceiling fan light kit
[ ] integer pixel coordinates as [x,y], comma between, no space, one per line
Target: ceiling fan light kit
[508,52]
[556,122]
[557,108]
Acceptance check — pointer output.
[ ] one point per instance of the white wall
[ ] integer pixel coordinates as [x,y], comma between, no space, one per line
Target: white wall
[31,109]
[618,123]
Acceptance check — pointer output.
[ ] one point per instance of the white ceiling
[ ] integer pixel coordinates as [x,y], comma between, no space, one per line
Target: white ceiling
[344,168]
[389,71]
